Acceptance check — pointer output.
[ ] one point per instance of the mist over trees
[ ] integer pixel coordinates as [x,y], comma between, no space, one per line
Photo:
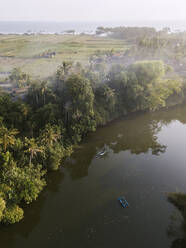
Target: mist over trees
[39,131]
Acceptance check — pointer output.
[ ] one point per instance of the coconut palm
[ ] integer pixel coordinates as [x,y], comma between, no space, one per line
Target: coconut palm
[43,88]
[63,70]
[50,135]
[7,137]
[33,148]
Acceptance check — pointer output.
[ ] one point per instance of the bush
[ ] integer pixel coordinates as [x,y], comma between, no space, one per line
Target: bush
[13,214]
[54,156]
[2,207]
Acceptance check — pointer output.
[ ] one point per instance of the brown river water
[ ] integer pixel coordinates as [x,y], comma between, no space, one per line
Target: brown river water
[145,158]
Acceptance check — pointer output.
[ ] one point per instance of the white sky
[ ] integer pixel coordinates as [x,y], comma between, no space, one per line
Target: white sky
[92,10]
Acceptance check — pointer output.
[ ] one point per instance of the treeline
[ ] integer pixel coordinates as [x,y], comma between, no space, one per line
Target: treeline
[127,33]
[38,132]
[170,45]
[148,43]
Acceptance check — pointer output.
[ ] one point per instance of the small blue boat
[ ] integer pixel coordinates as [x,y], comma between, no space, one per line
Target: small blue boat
[123,202]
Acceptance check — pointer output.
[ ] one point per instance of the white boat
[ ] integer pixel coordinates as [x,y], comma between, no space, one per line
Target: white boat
[101,153]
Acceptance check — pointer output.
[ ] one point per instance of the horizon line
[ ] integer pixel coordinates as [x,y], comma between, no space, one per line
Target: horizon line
[96,21]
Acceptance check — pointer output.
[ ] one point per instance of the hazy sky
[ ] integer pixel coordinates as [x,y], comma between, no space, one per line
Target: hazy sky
[92,10]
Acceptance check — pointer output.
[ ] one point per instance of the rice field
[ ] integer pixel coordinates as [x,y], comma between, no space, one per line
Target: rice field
[26,51]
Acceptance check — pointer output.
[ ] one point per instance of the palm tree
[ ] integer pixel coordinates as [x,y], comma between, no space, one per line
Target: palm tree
[33,148]
[66,66]
[43,88]
[34,93]
[7,137]
[50,135]
[110,97]
[63,70]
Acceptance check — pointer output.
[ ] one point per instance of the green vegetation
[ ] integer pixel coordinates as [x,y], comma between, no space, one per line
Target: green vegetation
[39,131]
[127,33]
[147,44]
[18,78]
[179,200]
[40,55]
[130,70]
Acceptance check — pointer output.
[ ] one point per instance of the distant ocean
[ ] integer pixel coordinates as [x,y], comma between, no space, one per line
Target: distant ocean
[82,27]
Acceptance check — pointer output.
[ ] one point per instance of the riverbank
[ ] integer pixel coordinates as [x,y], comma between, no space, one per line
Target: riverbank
[38,132]
[179,200]
[145,158]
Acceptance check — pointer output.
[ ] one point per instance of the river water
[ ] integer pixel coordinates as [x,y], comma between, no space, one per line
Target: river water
[145,159]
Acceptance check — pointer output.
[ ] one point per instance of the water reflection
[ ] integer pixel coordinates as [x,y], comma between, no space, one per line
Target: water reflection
[96,215]
[176,231]
[137,135]
[9,233]
[179,243]
[32,214]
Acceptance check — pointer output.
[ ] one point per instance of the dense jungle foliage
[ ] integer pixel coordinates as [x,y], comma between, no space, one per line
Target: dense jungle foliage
[38,131]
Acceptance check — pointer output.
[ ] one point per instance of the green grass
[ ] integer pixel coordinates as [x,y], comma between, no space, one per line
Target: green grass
[23,51]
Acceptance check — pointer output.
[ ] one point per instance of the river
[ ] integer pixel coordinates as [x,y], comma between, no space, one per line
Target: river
[145,159]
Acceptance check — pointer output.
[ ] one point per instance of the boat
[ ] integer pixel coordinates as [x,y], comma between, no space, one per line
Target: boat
[101,153]
[123,202]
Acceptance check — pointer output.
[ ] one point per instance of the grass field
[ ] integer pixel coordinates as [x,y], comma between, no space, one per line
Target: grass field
[24,51]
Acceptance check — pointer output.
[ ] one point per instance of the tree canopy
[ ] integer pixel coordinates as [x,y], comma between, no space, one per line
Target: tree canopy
[39,131]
